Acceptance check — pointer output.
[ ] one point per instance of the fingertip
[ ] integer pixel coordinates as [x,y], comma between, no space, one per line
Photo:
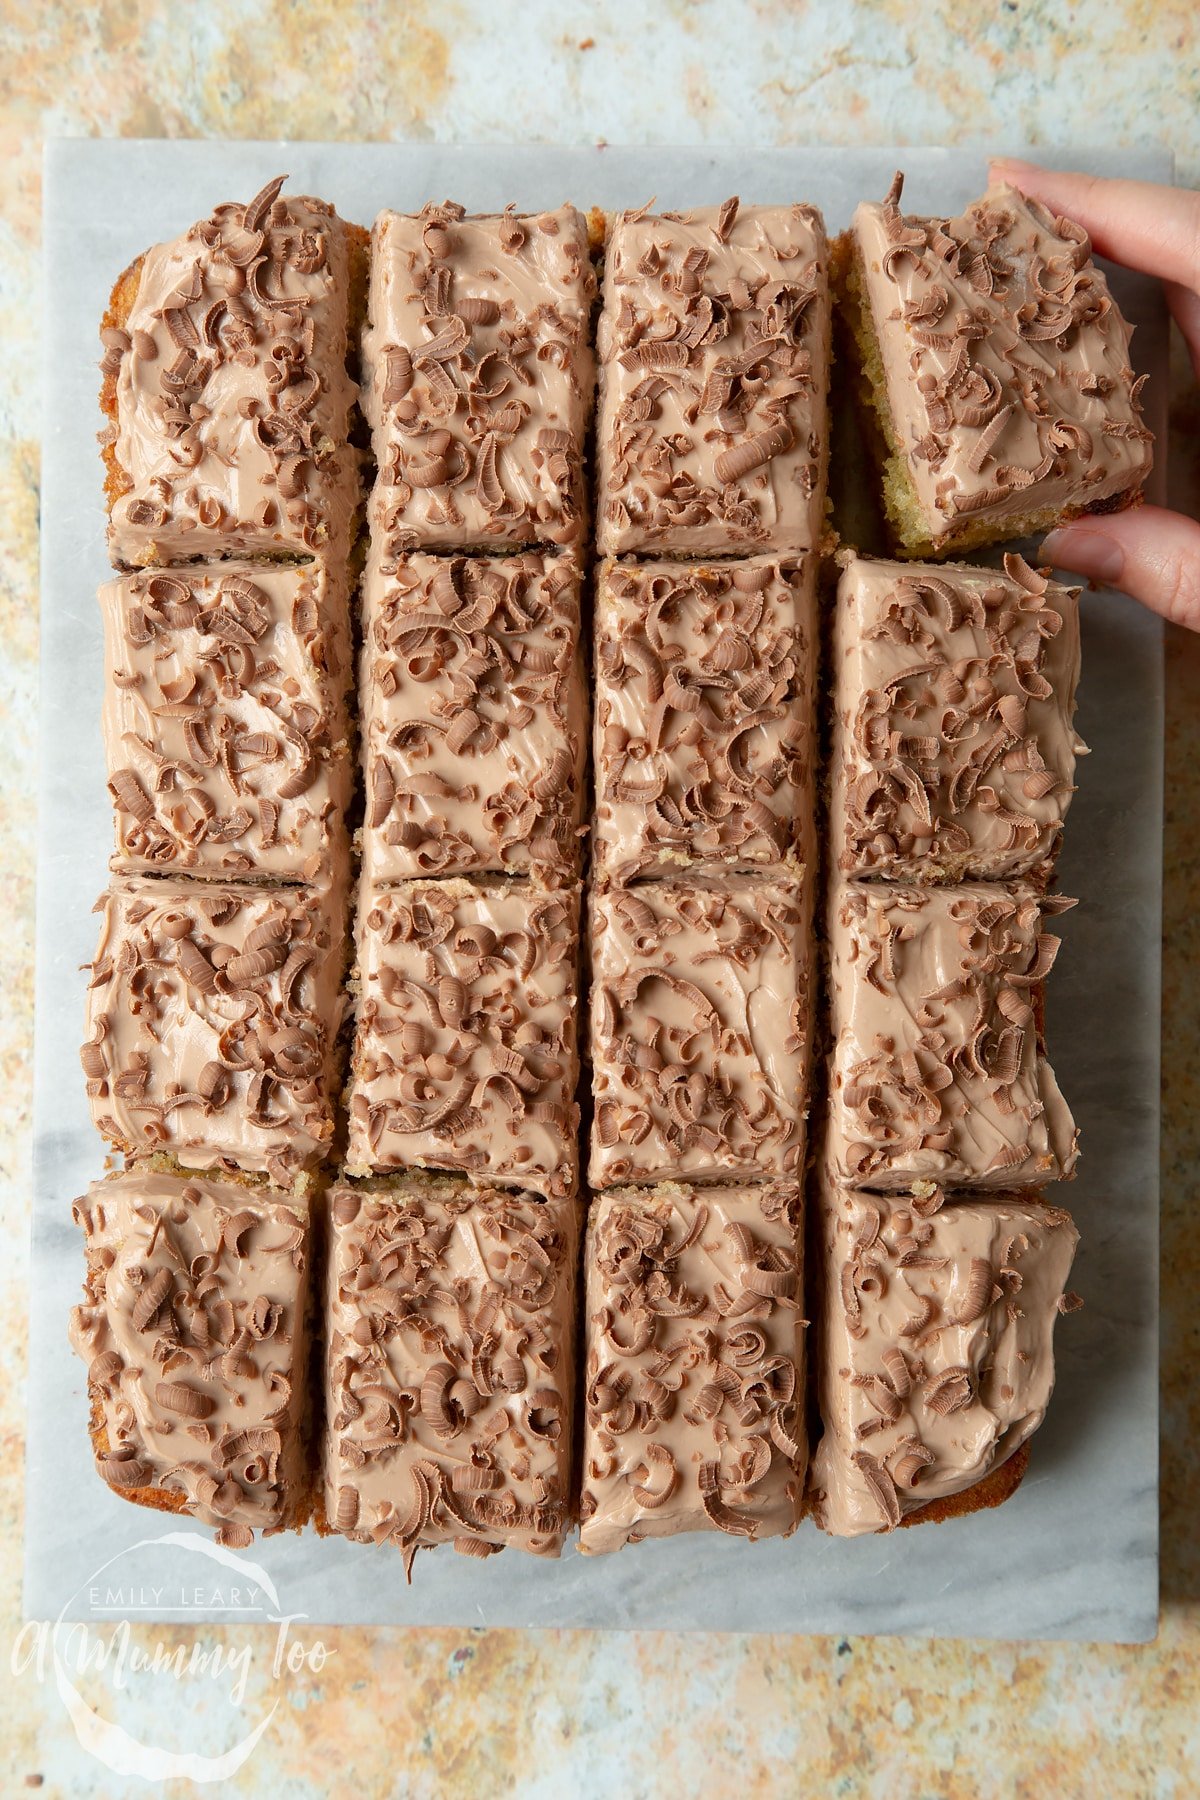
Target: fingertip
[1085,551]
[1150,554]
[1006,168]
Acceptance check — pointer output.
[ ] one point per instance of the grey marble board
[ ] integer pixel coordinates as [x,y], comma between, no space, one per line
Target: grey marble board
[1074,1553]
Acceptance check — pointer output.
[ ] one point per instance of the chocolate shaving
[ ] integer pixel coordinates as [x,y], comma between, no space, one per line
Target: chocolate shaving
[178,1397]
[726,218]
[725,1518]
[255,213]
[881,1485]
[151,1300]
[731,465]
[949,1392]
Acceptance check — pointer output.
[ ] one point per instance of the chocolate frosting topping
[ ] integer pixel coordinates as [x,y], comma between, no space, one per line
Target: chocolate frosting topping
[700,1031]
[450,1367]
[704,716]
[212,1017]
[194,1334]
[465,1054]
[937,1070]
[694,1379]
[477,378]
[954,749]
[233,398]
[474,718]
[936,1353]
[225,720]
[713,345]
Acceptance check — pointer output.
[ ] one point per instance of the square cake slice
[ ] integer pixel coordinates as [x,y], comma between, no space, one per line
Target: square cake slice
[694,1375]
[450,1366]
[213,1015]
[712,434]
[225,723]
[953,738]
[465,1053]
[701,1031]
[939,1072]
[227,390]
[474,718]
[996,364]
[704,738]
[478,377]
[936,1347]
[195,1333]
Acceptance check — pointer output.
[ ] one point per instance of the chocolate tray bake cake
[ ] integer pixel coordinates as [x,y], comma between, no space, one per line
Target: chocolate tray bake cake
[995,366]
[570,1002]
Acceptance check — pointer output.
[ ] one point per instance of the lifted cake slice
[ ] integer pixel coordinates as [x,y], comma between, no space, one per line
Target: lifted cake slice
[694,1376]
[939,1072]
[195,1333]
[936,1348]
[997,368]
[714,344]
[450,1366]
[953,738]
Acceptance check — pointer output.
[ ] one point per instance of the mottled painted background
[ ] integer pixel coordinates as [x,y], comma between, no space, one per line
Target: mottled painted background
[490,1713]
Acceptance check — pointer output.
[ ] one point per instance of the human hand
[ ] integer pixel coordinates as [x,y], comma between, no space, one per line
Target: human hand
[1146,551]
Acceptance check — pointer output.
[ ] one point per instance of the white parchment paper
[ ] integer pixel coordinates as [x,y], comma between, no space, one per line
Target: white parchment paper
[1074,1553]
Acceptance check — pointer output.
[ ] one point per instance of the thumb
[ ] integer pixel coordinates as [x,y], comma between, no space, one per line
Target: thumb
[1147,552]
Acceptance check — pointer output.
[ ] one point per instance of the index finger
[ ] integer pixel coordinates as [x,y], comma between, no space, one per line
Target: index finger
[1154,229]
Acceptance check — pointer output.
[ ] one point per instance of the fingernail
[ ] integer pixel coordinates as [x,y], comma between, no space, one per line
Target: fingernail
[1090,553]
[1015,164]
